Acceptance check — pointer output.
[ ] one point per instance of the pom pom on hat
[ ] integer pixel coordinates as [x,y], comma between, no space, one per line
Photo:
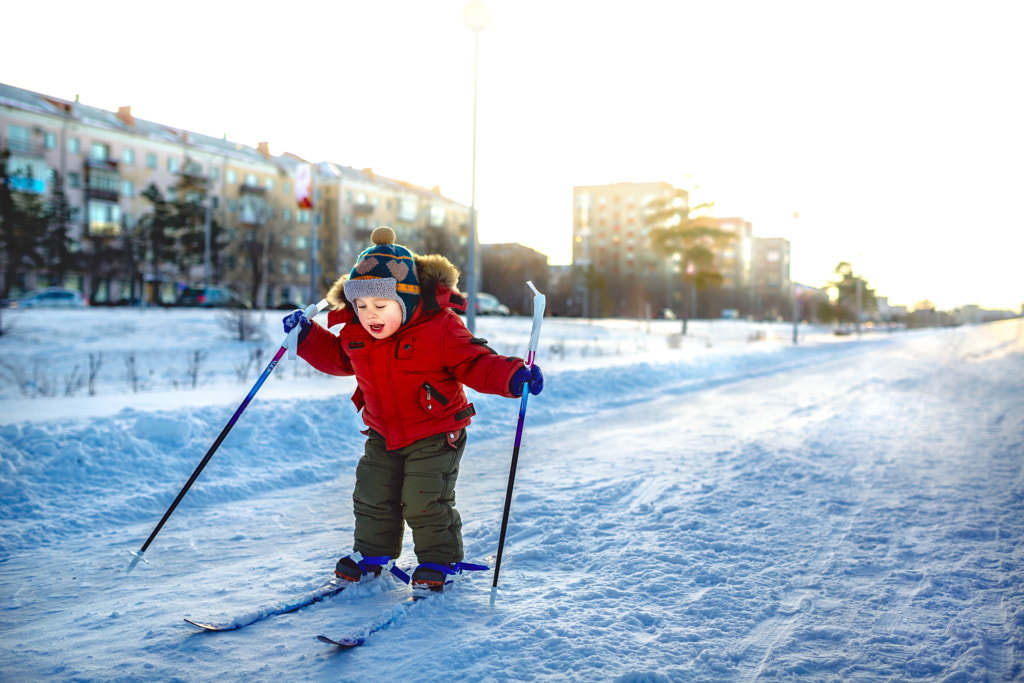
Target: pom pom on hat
[383,235]
[387,271]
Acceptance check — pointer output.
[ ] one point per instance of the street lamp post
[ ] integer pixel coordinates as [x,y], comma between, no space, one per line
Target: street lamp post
[477,16]
[860,304]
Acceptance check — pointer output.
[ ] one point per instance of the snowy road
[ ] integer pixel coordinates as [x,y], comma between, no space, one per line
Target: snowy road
[841,512]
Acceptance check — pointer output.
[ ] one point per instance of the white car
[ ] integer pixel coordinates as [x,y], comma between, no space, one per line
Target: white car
[52,297]
[488,304]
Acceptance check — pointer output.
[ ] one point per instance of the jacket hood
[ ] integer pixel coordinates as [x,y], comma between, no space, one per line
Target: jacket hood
[437,276]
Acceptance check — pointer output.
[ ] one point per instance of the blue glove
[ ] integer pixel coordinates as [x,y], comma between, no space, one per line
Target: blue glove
[299,318]
[533,377]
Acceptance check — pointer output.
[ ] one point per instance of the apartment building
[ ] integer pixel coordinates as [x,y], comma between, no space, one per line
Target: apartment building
[771,286]
[357,201]
[610,241]
[265,247]
[611,226]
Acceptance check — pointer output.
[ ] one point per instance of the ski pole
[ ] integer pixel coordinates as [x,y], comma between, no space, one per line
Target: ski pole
[290,341]
[531,355]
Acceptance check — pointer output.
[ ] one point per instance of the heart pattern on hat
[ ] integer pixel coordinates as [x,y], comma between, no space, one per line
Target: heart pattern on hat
[366,265]
[398,269]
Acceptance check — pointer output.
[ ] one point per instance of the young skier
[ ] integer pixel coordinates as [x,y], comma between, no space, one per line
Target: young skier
[411,355]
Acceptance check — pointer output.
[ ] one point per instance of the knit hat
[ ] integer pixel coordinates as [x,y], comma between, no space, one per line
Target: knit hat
[387,271]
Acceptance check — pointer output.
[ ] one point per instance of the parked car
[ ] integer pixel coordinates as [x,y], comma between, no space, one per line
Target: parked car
[488,304]
[52,297]
[212,297]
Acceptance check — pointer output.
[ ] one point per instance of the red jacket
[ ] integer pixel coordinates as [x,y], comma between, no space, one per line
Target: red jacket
[410,384]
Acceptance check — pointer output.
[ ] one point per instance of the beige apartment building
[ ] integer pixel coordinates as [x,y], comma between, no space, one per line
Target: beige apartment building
[263,246]
[610,243]
[628,277]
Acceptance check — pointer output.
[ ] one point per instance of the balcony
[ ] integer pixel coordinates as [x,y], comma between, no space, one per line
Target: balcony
[23,148]
[104,229]
[193,177]
[26,185]
[101,182]
[363,206]
[252,190]
[101,164]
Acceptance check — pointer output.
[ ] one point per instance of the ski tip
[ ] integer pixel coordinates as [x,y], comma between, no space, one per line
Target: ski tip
[343,643]
[210,627]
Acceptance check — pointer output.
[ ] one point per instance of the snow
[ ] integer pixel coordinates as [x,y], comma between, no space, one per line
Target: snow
[723,507]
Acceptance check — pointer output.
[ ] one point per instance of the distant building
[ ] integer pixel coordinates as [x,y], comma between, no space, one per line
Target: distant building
[771,287]
[263,243]
[622,272]
[611,246]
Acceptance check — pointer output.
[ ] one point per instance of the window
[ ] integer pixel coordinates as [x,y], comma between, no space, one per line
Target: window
[252,180]
[286,214]
[50,140]
[172,164]
[269,184]
[286,266]
[150,160]
[74,179]
[301,267]
[232,205]
[74,146]
[286,241]
[232,176]
[103,180]
[287,187]
[104,218]
[18,139]
[128,156]
[303,215]
[99,151]
[301,242]
[127,188]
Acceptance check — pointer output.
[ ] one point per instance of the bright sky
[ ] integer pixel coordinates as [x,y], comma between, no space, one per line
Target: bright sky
[895,129]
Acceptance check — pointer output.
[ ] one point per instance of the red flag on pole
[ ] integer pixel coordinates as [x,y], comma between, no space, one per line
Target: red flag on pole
[304,186]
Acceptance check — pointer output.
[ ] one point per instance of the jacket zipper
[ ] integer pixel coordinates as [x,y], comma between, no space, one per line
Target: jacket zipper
[433,393]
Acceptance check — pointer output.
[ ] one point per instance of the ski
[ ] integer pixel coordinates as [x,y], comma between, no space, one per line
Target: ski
[385,621]
[393,615]
[329,589]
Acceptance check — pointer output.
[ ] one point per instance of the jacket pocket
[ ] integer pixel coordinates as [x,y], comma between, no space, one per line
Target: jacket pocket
[358,400]
[405,349]
[432,400]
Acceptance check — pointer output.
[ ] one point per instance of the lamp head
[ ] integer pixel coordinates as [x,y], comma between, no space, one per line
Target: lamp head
[477,15]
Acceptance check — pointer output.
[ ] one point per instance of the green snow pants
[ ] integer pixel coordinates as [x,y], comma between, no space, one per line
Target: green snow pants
[414,484]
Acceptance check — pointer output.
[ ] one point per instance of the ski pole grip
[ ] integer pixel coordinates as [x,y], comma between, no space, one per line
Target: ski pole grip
[292,342]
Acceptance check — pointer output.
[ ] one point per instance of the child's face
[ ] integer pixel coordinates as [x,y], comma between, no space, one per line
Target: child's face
[380,317]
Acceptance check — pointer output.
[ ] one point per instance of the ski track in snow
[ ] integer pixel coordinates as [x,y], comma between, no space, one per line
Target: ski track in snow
[831,511]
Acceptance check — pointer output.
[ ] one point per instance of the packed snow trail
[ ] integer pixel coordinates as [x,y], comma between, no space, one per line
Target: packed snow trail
[843,512]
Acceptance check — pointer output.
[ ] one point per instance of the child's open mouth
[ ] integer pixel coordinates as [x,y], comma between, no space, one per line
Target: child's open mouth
[376,329]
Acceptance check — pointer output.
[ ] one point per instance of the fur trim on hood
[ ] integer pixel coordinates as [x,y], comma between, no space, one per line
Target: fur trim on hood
[432,271]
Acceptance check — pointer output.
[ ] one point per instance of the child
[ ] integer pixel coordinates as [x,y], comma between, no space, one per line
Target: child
[411,355]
